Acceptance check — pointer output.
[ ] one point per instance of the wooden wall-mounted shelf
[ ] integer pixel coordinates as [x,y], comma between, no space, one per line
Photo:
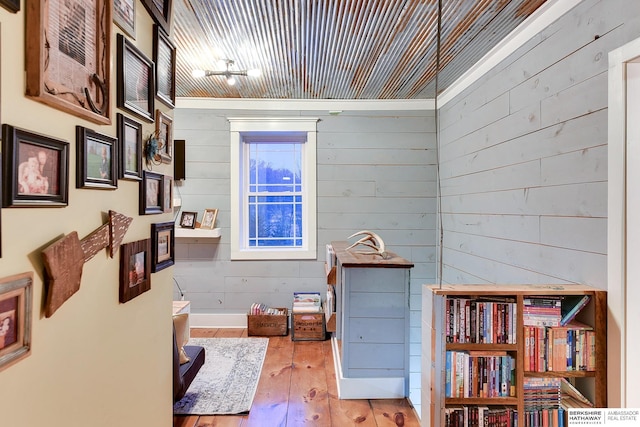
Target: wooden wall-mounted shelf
[197,233]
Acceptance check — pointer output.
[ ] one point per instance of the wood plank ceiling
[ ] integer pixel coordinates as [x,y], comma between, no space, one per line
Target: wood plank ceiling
[336,49]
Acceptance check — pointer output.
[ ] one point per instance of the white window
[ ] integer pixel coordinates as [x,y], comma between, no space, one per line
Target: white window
[273,188]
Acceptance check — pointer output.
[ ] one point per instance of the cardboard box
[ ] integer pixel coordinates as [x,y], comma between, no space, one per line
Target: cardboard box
[266,325]
[308,327]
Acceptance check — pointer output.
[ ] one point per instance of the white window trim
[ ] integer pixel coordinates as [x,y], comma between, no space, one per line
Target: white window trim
[276,124]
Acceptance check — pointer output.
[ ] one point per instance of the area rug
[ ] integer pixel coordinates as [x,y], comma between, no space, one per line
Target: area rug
[227,382]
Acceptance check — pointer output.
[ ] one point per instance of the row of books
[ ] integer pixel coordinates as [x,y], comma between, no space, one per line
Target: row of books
[547,400]
[480,416]
[552,311]
[479,374]
[568,348]
[307,302]
[259,308]
[476,321]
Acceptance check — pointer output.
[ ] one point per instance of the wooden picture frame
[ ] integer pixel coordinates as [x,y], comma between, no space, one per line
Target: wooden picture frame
[209,219]
[151,193]
[67,59]
[12,6]
[164,56]
[16,305]
[167,194]
[188,219]
[35,169]
[164,133]
[135,269]
[129,148]
[162,245]
[160,11]
[136,76]
[124,15]
[97,160]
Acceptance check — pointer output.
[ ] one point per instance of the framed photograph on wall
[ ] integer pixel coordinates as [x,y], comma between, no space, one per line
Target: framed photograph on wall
[162,245]
[151,197]
[164,56]
[124,15]
[15,318]
[130,148]
[188,219]
[160,11]
[167,194]
[135,269]
[97,160]
[209,219]
[136,75]
[164,132]
[11,5]
[68,45]
[35,169]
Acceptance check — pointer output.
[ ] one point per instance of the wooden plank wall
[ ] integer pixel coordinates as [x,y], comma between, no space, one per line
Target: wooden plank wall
[524,157]
[376,170]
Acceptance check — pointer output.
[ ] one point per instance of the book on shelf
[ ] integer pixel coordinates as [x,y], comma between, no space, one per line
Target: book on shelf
[542,310]
[571,396]
[475,321]
[562,348]
[572,307]
[479,374]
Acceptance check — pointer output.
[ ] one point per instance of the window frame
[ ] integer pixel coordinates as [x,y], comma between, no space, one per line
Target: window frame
[239,208]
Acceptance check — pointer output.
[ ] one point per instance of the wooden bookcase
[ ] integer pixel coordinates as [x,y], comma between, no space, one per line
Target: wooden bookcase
[592,383]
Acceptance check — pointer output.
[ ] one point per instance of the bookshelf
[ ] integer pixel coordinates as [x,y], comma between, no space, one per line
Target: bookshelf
[452,333]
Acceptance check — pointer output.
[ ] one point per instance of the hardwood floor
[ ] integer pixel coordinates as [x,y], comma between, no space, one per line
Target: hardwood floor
[297,388]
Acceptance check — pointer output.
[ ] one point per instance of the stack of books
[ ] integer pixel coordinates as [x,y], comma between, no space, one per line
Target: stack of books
[259,308]
[307,302]
[542,311]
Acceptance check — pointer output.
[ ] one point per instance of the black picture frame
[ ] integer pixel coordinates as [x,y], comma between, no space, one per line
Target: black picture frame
[164,56]
[136,80]
[188,219]
[96,160]
[124,15]
[162,245]
[160,11]
[12,6]
[135,269]
[129,148]
[19,148]
[151,193]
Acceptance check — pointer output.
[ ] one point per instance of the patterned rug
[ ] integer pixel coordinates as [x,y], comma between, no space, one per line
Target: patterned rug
[227,382]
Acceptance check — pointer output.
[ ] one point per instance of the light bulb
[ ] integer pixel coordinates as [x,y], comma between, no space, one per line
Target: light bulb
[231,80]
[197,73]
[254,72]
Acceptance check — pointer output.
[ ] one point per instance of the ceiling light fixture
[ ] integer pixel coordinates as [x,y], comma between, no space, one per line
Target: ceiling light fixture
[228,73]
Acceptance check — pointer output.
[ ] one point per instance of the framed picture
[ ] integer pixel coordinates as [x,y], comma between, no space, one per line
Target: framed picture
[136,77]
[15,318]
[162,249]
[164,56]
[160,11]
[97,160]
[35,169]
[209,219]
[151,197]
[167,194]
[11,5]
[135,269]
[124,15]
[164,132]
[130,148]
[68,45]
[188,219]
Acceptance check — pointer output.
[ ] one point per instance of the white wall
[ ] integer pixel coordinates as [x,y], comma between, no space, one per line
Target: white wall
[376,170]
[524,158]
[95,362]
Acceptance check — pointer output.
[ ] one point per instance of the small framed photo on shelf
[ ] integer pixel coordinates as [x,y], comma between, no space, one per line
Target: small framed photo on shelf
[35,169]
[164,133]
[209,219]
[135,269]
[96,156]
[188,219]
[162,245]
[15,318]
[151,197]
[164,56]
[130,148]
[136,75]
[124,15]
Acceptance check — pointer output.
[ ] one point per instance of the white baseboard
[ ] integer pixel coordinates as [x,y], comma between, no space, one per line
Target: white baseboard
[218,320]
